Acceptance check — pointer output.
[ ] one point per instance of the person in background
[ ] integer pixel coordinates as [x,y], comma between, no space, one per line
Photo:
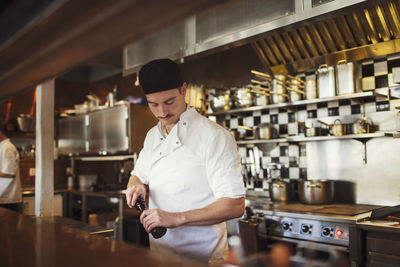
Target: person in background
[192,167]
[10,184]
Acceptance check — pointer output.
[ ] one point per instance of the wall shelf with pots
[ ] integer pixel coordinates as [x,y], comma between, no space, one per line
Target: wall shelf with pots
[294,104]
[297,139]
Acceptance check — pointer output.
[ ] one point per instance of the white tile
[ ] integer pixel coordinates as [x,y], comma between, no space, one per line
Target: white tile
[283,118]
[370,107]
[265,161]
[234,123]
[311,106]
[380,68]
[293,151]
[294,173]
[368,83]
[242,151]
[302,162]
[265,185]
[284,160]
[344,110]
[274,111]
[322,112]
[265,118]
[275,152]
[257,113]
[333,104]
[248,121]
[293,128]
[302,115]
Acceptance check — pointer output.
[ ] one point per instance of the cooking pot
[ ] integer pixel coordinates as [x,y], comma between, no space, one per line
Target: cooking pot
[345,77]
[362,126]
[280,190]
[326,81]
[311,87]
[266,131]
[316,131]
[316,192]
[243,98]
[26,122]
[279,89]
[337,128]
[295,87]
[260,95]
[220,101]
[245,132]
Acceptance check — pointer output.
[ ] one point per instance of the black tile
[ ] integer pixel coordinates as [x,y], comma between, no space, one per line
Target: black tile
[228,124]
[258,184]
[370,99]
[303,150]
[303,173]
[283,151]
[275,159]
[274,118]
[283,129]
[311,114]
[333,111]
[344,102]
[355,109]
[367,70]
[392,64]
[265,172]
[381,81]
[293,163]
[292,117]
[282,110]
[257,120]
[302,107]
[265,111]
[233,116]
[380,59]
[382,106]
[284,172]
[240,121]
[248,114]
[322,105]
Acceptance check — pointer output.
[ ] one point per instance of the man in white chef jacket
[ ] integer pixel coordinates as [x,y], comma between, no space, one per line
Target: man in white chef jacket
[192,168]
[10,183]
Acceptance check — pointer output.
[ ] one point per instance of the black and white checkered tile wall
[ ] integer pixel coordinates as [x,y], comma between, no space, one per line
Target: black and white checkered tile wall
[373,74]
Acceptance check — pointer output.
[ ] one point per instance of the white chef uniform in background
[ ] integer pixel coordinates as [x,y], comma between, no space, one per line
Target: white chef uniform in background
[190,168]
[10,188]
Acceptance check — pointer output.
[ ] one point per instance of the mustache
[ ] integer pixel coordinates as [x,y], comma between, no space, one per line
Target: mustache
[165,117]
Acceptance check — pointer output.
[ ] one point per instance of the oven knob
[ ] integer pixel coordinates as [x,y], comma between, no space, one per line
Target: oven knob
[326,231]
[285,226]
[305,228]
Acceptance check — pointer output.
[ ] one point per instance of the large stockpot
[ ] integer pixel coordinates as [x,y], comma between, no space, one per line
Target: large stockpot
[345,77]
[295,87]
[311,87]
[279,89]
[280,190]
[326,81]
[316,192]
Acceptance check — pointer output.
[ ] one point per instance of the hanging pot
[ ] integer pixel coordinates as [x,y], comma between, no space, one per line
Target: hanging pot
[336,129]
[220,101]
[266,131]
[279,89]
[295,87]
[311,87]
[243,98]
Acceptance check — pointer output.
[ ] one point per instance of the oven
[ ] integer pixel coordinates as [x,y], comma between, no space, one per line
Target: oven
[325,229]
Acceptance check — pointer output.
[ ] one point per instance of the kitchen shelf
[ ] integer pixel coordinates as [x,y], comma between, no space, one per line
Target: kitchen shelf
[104,158]
[294,104]
[297,139]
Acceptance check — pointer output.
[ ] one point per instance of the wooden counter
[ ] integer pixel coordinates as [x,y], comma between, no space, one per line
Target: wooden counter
[45,242]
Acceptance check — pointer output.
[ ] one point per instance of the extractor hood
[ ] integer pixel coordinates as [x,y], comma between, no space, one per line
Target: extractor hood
[282,32]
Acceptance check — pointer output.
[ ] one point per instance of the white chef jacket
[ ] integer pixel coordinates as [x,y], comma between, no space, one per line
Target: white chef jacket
[193,166]
[10,188]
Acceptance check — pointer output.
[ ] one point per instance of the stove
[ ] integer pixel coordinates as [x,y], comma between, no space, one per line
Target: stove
[328,224]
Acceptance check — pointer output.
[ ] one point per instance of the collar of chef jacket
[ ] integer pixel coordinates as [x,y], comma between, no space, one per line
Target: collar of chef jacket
[164,146]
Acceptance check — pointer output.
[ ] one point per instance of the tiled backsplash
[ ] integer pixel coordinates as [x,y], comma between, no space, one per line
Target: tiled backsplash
[369,74]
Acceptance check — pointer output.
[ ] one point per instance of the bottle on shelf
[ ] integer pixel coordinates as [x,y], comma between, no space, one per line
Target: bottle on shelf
[70,179]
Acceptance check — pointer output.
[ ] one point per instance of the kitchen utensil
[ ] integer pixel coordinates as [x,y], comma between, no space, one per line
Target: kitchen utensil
[345,77]
[220,100]
[266,131]
[252,163]
[311,87]
[156,232]
[279,190]
[243,98]
[326,81]
[94,102]
[393,219]
[260,95]
[86,181]
[26,122]
[316,192]
[362,126]
[295,87]
[279,89]
[336,129]
[81,108]
[244,132]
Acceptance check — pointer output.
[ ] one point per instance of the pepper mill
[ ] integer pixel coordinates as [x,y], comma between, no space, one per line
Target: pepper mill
[156,232]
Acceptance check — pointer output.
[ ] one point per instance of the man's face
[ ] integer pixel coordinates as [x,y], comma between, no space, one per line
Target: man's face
[167,106]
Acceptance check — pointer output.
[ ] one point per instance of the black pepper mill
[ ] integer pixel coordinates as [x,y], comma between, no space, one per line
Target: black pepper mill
[157,232]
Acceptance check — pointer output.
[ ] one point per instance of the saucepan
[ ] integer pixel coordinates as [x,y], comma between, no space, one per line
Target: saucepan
[316,192]
[295,87]
[337,128]
[220,100]
[242,97]
[264,131]
[362,126]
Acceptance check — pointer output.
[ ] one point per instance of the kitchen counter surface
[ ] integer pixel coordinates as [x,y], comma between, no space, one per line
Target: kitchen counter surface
[37,242]
[380,225]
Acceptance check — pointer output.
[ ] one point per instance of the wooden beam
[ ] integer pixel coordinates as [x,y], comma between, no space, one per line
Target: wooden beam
[44,180]
[79,30]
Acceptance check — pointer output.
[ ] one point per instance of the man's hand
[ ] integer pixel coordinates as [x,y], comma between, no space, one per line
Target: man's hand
[155,218]
[134,189]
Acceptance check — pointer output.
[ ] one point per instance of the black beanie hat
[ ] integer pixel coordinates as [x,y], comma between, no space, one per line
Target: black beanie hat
[160,75]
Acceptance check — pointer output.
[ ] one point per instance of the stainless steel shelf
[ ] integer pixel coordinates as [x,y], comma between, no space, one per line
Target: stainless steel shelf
[104,158]
[314,139]
[293,104]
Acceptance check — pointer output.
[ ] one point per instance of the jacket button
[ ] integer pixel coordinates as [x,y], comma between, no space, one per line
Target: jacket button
[184,123]
[161,139]
[160,153]
[177,142]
